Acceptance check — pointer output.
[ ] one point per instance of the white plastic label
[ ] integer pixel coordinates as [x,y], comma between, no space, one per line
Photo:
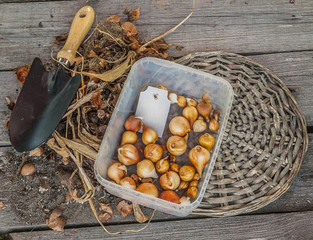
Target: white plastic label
[153,106]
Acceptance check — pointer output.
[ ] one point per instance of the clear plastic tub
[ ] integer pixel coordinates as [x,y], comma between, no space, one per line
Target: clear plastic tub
[183,81]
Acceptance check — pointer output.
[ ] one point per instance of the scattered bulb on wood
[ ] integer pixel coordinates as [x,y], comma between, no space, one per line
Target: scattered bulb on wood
[149,189]
[128,154]
[170,196]
[181,101]
[153,152]
[193,183]
[199,126]
[176,145]
[133,123]
[170,180]
[183,185]
[149,135]
[184,200]
[146,169]
[128,182]
[175,167]
[213,125]
[117,171]
[162,165]
[187,173]
[216,114]
[28,169]
[207,141]
[199,156]
[179,126]
[172,97]
[191,114]
[161,87]
[129,137]
[191,102]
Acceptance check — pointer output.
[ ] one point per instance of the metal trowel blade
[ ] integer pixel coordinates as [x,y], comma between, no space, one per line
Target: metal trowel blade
[40,106]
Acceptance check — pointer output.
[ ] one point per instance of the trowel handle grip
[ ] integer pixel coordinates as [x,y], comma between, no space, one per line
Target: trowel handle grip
[81,25]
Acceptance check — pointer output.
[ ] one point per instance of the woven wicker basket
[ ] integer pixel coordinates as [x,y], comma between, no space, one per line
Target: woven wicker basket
[265,140]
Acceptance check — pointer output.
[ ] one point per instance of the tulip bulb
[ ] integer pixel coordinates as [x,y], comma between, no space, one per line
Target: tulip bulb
[207,141]
[170,180]
[149,135]
[184,200]
[213,125]
[176,145]
[175,167]
[128,182]
[128,154]
[204,109]
[187,172]
[216,114]
[181,101]
[191,102]
[183,185]
[172,97]
[133,123]
[206,97]
[192,192]
[179,126]
[117,171]
[153,152]
[199,156]
[191,114]
[199,126]
[149,189]
[129,137]
[170,196]
[146,169]
[162,165]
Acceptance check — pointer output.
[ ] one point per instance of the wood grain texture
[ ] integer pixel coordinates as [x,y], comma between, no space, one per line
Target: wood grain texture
[270,226]
[298,198]
[228,25]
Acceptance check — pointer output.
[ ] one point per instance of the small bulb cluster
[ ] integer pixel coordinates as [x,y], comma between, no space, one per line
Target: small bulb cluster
[157,173]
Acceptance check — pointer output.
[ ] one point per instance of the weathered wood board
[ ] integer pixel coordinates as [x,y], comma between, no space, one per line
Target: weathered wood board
[236,26]
[268,226]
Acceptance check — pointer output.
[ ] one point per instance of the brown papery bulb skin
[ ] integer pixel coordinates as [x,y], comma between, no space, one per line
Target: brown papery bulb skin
[129,137]
[128,154]
[179,126]
[207,141]
[199,157]
[162,166]
[149,135]
[170,196]
[216,114]
[169,180]
[133,123]
[204,109]
[206,97]
[191,114]
[181,101]
[176,145]
[149,189]
[191,102]
[153,152]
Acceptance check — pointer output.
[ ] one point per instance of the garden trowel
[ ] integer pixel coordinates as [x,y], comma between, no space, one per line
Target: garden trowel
[45,96]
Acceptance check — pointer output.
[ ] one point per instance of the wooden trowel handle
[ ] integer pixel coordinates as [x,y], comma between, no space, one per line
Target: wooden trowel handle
[81,25]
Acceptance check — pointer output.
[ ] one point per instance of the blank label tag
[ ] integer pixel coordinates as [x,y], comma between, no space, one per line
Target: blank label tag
[153,106]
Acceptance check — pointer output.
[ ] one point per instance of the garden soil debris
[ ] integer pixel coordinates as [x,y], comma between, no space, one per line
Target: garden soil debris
[107,54]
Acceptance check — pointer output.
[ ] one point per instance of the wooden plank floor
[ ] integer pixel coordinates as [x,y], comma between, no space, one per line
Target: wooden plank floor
[276,34]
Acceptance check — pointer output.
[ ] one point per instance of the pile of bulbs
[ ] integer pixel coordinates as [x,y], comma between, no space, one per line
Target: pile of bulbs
[173,177]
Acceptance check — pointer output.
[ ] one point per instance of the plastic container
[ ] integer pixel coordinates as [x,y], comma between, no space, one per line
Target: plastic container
[183,81]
